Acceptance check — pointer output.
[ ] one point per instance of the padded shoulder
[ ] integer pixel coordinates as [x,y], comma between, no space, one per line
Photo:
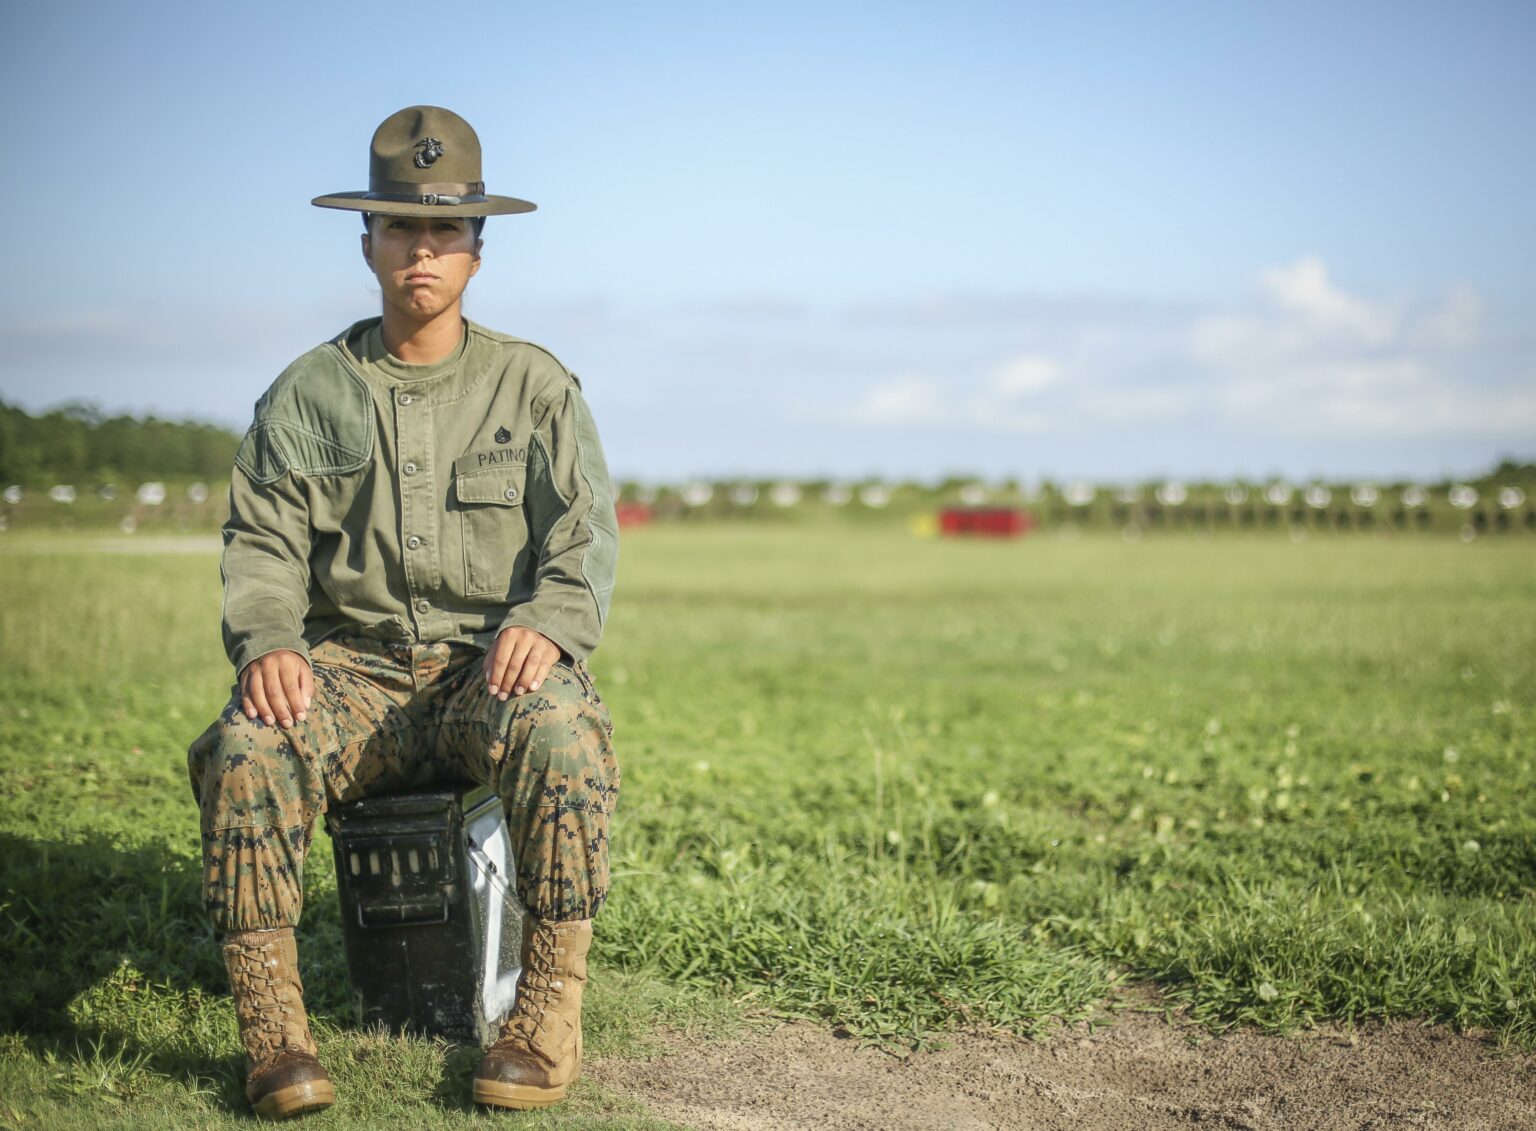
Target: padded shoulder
[316,419]
[540,362]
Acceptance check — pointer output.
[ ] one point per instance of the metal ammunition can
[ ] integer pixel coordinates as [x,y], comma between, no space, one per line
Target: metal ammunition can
[431,928]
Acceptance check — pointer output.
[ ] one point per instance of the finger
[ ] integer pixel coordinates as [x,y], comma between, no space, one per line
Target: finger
[306,686]
[496,657]
[528,673]
[246,704]
[537,666]
[258,693]
[515,666]
[276,696]
[290,676]
[496,661]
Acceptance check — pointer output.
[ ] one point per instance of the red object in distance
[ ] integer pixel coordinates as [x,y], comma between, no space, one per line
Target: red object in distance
[633,514]
[985,522]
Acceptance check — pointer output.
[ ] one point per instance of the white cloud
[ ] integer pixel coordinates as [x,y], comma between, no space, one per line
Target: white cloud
[1397,396]
[1303,290]
[901,401]
[1025,375]
[1312,359]
[911,401]
[1300,357]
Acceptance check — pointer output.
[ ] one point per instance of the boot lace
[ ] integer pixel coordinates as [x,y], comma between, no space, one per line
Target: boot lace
[525,1029]
[266,1015]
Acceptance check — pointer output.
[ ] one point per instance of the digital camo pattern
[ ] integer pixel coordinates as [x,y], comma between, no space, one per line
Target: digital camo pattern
[393,717]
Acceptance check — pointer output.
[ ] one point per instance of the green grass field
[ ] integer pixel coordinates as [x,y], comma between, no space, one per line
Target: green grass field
[895,785]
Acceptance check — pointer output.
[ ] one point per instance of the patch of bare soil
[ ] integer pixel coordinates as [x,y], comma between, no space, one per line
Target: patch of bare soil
[1139,1073]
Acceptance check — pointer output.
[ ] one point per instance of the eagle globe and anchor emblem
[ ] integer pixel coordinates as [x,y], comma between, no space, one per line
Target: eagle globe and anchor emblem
[428,150]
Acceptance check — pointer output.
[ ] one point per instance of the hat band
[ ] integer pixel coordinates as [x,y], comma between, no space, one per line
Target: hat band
[410,192]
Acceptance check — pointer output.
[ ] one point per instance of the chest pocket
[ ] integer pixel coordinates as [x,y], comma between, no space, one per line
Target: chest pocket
[495,528]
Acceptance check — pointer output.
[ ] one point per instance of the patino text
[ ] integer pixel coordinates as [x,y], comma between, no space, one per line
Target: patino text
[502,455]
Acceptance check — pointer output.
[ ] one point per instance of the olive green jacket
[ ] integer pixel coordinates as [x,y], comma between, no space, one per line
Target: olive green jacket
[418,503]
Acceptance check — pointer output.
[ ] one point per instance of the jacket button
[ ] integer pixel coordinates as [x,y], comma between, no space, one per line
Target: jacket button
[406,398]
[511,492]
[413,543]
[409,469]
[423,607]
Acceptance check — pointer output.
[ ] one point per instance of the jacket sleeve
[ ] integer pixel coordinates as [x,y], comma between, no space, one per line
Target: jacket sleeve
[265,568]
[574,526]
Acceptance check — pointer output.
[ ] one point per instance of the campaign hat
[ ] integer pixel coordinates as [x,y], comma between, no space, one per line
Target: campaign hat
[425,161]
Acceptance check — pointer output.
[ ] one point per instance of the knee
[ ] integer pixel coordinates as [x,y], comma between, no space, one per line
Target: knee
[246,773]
[556,747]
[566,707]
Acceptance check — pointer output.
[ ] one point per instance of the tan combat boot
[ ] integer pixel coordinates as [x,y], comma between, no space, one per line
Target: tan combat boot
[282,1076]
[538,1053]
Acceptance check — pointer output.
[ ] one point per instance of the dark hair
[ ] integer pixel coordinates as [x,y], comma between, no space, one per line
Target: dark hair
[475,222]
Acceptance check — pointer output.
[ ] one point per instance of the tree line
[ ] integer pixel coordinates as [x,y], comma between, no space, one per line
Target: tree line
[77,444]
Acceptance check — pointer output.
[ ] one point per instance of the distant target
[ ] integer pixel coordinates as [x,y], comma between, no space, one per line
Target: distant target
[1511,497]
[1463,497]
[1236,495]
[784,494]
[1078,494]
[12,494]
[875,495]
[697,494]
[1414,496]
[63,493]
[744,494]
[1318,496]
[1364,495]
[837,495]
[1172,494]
[1278,494]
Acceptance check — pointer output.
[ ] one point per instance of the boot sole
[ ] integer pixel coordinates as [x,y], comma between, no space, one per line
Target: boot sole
[296,1099]
[518,1097]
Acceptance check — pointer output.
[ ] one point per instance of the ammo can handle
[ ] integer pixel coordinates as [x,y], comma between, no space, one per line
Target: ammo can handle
[402,915]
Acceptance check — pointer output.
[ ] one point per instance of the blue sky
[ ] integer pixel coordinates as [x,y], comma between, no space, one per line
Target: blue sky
[1102,240]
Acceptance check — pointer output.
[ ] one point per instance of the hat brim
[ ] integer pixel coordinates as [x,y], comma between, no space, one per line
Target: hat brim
[360,202]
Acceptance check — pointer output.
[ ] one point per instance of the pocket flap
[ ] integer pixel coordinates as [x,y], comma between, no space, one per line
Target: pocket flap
[503,484]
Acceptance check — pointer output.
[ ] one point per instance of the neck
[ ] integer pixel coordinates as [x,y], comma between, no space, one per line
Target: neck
[422,343]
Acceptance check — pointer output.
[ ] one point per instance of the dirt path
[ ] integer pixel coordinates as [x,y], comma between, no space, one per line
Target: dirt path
[1140,1074]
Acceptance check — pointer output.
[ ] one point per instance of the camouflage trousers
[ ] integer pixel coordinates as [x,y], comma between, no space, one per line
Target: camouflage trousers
[386,718]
